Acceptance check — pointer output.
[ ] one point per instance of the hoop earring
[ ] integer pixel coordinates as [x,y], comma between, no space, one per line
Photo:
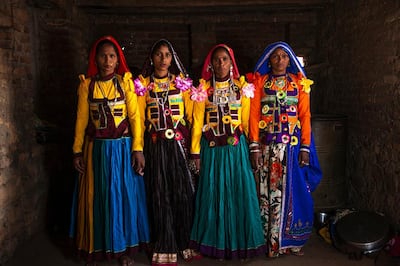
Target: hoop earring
[210,68]
[231,72]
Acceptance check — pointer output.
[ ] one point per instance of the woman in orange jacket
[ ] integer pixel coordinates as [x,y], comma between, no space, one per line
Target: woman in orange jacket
[281,149]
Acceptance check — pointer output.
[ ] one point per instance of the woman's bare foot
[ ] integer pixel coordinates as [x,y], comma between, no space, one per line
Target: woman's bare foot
[125,260]
[297,252]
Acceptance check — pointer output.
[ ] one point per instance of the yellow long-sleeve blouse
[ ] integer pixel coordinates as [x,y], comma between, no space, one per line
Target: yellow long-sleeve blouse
[161,102]
[223,114]
[92,117]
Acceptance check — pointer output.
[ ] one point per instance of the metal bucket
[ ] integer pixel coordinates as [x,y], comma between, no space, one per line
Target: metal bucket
[330,142]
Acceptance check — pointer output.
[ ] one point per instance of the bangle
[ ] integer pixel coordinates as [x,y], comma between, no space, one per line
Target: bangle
[255,150]
[305,149]
[254,144]
[78,154]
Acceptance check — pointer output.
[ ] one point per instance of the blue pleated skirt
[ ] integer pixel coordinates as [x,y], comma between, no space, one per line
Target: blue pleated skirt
[116,203]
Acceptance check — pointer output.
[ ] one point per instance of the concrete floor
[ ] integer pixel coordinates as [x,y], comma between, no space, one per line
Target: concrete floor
[43,250]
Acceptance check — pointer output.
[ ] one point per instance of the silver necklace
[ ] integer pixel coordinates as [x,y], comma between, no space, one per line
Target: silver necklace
[164,87]
[111,104]
[225,95]
[282,84]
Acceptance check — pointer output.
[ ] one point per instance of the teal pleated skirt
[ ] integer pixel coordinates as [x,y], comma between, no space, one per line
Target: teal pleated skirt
[227,221]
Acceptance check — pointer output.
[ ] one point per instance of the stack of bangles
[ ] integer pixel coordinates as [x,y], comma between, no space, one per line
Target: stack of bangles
[254,147]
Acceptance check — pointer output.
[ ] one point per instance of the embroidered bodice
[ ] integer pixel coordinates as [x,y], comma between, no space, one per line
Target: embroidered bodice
[280,111]
[107,108]
[166,105]
[221,112]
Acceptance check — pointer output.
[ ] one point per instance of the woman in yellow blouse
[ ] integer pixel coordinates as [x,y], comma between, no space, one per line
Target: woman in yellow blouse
[163,91]
[227,221]
[109,216]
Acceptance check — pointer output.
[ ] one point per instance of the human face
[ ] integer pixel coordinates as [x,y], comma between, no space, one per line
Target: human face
[221,63]
[106,59]
[162,58]
[279,61]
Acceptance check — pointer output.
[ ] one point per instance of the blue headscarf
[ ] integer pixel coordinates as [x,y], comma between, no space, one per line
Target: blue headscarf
[263,67]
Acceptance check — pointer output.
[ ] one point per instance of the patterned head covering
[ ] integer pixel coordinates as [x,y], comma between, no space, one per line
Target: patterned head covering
[122,66]
[263,66]
[207,72]
[176,64]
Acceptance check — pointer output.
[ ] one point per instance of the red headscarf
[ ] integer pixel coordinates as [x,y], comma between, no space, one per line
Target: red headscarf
[122,66]
[207,73]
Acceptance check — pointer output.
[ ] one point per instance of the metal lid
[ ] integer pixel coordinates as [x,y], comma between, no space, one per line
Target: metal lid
[365,230]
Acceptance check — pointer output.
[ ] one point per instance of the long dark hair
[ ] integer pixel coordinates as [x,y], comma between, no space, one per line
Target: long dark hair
[176,64]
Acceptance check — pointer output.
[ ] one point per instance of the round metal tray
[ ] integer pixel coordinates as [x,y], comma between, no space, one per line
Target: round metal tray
[366,231]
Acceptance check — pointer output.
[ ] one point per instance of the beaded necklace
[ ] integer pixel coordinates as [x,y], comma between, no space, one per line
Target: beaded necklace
[224,95]
[110,104]
[164,87]
[281,83]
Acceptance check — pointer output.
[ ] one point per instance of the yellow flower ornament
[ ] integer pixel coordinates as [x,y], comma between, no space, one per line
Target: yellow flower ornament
[247,88]
[242,81]
[306,83]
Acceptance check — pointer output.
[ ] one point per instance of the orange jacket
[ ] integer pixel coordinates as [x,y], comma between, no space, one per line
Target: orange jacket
[299,105]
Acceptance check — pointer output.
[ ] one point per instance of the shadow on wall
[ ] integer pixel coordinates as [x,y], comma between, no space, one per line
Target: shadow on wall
[60,173]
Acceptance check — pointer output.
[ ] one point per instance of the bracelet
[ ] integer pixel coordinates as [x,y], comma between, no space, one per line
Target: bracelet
[255,150]
[305,149]
[78,154]
[254,144]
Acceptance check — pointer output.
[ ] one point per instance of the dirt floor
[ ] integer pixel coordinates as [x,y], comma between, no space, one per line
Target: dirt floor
[43,250]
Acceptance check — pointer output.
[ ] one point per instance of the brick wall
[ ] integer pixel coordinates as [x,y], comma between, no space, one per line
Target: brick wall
[22,180]
[363,82]
[247,32]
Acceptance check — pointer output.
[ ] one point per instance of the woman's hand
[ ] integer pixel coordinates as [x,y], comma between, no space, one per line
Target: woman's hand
[138,162]
[78,163]
[255,159]
[197,165]
[304,158]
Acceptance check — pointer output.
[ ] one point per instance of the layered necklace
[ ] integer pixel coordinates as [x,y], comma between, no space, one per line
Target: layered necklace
[100,84]
[224,95]
[281,84]
[164,87]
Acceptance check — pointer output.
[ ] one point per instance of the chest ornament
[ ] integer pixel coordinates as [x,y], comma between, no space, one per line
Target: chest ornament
[180,82]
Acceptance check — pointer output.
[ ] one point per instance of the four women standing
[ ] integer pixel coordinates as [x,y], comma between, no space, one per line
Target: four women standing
[174,121]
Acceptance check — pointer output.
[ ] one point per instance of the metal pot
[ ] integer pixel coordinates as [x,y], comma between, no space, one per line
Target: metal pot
[361,232]
[321,218]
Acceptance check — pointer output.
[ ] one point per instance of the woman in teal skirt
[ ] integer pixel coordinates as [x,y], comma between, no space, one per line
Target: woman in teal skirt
[227,221]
